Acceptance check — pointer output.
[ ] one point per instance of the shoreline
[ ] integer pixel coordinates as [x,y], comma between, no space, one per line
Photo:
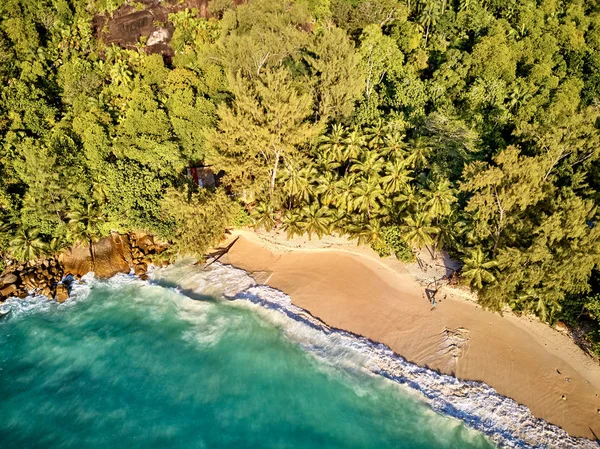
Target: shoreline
[475,404]
[351,288]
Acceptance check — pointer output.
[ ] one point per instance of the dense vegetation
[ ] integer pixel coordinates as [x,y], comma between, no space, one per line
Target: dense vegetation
[467,125]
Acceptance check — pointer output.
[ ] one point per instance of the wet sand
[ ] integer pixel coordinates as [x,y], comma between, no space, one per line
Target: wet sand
[351,288]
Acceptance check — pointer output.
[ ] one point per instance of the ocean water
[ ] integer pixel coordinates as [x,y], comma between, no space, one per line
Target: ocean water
[205,359]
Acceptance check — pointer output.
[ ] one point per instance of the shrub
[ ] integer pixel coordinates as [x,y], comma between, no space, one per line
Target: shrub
[393,243]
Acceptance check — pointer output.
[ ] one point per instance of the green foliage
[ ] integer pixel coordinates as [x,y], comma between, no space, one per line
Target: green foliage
[469,126]
[393,243]
[241,217]
[200,219]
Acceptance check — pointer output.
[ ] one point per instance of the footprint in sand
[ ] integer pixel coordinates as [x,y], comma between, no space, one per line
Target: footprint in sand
[453,343]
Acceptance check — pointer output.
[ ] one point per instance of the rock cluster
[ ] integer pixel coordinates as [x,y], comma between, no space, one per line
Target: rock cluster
[52,277]
[40,277]
[143,247]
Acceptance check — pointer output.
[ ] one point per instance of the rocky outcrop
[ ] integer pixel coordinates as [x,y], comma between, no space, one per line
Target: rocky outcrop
[52,277]
[112,255]
[143,248]
[62,293]
[40,277]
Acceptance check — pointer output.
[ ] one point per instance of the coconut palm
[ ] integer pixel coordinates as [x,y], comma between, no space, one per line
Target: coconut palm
[317,219]
[450,228]
[333,146]
[477,271]
[264,215]
[429,17]
[84,226]
[375,135]
[120,74]
[27,245]
[56,245]
[293,223]
[394,145]
[367,233]
[418,153]
[344,189]
[439,199]
[326,187]
[370,163]
[296,182]
[545,305]
[355,142]
[367,196]
[408,198]
[396,178]
[418,231]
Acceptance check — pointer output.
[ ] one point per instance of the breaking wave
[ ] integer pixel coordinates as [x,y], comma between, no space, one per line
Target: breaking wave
[478,405]
[502,419]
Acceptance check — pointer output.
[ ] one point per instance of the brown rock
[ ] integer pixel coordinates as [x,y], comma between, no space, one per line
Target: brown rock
[111,254]
[62,293]
[46,292]
[146,244]
[561,327]
[140,269]
[8,279]
[7,291]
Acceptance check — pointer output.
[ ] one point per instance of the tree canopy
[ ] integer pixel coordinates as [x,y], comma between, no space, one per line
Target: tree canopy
[468,125]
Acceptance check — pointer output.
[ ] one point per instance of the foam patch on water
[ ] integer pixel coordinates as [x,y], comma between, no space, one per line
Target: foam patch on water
[506,422]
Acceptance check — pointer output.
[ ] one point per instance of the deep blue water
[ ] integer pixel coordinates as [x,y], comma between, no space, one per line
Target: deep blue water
[131,365]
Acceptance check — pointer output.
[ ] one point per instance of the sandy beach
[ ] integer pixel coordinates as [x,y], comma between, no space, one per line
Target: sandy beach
[350,287]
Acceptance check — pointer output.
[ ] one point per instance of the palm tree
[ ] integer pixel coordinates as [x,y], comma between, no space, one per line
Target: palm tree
[369,164]
[375,135]
[120,73]
[368,233]
[326,187]
[394,145]
[477,270]
[84,226]
[533,301]
[293,223]
[439,199]
[354,144]
[429,17]
[409,198]
[397,177]
[27,245]
[367,195]
[56,245]
[317,219]
[419,153]
[344,189]
[264,215]
[333,146]
[297,182]
[419,233]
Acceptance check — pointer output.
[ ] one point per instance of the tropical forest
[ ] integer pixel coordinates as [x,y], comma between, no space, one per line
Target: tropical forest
[465,126]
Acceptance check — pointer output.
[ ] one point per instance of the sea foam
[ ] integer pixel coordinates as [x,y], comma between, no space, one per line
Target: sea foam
[478,405]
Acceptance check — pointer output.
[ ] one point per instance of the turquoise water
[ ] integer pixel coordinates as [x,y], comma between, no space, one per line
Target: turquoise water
[132,365]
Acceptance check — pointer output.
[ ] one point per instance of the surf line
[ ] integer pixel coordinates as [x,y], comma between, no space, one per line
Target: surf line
[479,406]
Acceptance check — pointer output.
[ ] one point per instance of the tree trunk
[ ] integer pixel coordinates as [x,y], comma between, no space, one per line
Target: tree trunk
[92,255]
[274,175]
[431,250]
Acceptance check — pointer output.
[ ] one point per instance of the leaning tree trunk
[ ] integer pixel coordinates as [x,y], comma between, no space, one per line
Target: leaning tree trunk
[274,175]
[92,255]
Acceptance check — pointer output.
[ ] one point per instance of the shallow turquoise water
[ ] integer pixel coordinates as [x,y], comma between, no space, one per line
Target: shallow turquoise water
[139,366]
